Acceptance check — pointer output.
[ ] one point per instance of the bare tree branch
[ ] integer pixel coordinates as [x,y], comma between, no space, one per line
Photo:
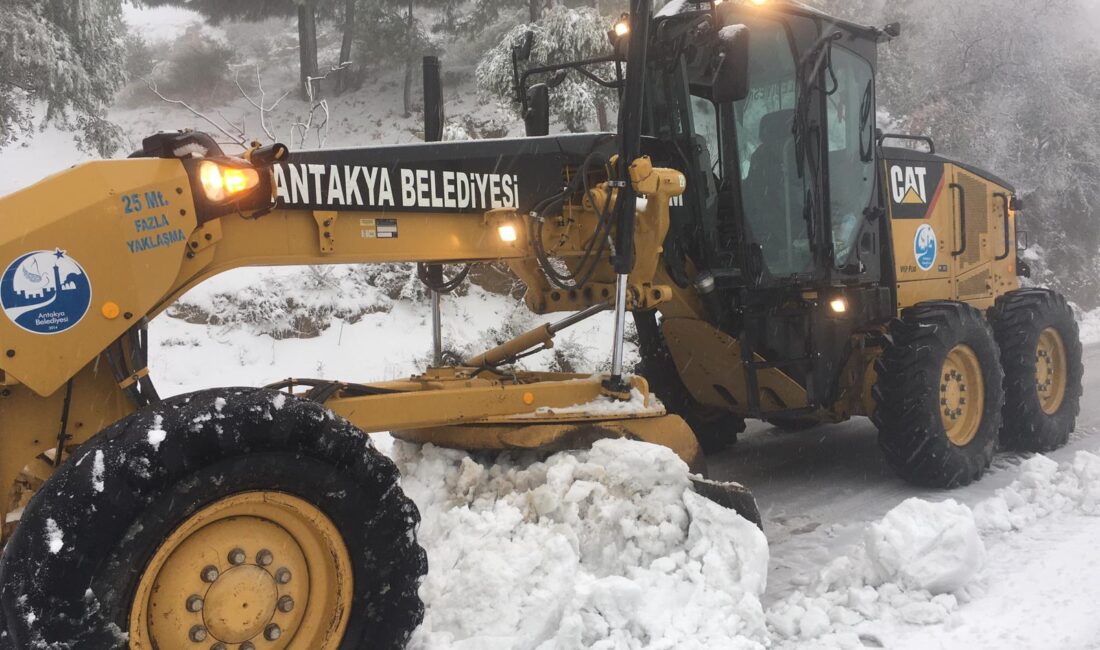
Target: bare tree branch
[237,138]
[259,104]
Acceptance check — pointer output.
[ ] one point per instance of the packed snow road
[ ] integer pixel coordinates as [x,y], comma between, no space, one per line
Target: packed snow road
[819,489]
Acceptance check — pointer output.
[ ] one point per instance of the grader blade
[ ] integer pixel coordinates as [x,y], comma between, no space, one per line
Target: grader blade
[730,495]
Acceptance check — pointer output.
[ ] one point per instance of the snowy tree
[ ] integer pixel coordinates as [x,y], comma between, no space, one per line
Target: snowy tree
[562,34]
[66,56]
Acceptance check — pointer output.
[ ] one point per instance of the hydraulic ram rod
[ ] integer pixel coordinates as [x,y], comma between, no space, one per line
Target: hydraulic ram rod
[542,335]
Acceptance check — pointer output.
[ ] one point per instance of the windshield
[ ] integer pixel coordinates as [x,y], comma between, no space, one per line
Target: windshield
[774,195]
[851,150]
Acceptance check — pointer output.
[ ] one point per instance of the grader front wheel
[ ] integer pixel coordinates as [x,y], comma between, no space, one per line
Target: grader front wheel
[259,568]
[231,518]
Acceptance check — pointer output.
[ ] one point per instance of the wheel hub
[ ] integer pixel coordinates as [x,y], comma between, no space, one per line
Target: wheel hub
[962,395]
[240,603]
[1050,370]
[259,570]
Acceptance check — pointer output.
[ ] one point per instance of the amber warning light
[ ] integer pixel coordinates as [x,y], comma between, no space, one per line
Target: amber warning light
[220,182]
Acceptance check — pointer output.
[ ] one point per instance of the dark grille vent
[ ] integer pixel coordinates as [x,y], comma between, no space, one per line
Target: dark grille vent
[977,216]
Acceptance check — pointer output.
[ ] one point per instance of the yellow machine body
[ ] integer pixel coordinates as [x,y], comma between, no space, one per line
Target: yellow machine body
[135,230]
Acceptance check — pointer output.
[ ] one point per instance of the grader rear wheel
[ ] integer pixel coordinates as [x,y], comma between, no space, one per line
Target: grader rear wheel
[939,395]
[1041,352]
[230,518]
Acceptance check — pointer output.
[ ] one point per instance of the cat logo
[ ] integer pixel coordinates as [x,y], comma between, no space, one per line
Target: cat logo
[908,185]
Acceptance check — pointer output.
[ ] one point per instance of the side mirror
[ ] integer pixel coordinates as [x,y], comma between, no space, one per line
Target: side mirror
[433,100]
[523,50]
[537,118]
[730,82]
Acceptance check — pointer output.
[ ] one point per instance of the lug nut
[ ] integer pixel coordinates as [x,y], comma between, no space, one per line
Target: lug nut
[272,632]
[285,604]
[219,646]
[198,633]
[247,645]
[194,604]
[209,574]
[264,557]
[237,556]
[282,576]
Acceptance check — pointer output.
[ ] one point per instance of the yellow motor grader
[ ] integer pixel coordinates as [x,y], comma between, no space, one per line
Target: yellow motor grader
[780,262]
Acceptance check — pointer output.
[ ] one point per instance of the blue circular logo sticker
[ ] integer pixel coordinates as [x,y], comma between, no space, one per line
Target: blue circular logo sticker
[45,292]
[924,247]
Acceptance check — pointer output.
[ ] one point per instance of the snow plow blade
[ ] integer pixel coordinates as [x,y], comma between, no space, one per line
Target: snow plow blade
[730,495]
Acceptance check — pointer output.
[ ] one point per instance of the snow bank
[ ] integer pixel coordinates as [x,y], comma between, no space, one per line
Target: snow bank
[1089,323]
[917,562]
[911,568]
[607,548]
[923,545]
[1044,488]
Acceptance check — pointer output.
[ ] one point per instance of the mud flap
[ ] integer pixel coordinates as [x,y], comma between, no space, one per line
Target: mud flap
[734,496]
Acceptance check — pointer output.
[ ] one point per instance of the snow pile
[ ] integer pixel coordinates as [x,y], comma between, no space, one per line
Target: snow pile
[912,566]
[930,546]
[1089,323]
[1044,488]
[607,548]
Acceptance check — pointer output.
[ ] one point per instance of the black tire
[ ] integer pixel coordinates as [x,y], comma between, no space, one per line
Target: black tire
[714,429]
[907,394]
[218,443]
[1018,319]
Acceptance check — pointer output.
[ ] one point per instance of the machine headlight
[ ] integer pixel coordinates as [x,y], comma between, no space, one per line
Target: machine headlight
[220,182]
[507,233]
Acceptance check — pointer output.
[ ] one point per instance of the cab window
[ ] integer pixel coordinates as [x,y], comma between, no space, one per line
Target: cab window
[705,119]
[851,122]
[773,191]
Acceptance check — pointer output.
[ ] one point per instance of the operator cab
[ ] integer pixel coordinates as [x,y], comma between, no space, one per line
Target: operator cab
[786,175]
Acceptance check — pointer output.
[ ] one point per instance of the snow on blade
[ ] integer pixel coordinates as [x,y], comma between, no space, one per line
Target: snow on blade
[609,406]
[55,537]
[607,548]
[157,434]
[97,471]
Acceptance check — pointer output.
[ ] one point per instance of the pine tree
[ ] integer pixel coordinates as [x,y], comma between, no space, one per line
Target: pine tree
[66,55]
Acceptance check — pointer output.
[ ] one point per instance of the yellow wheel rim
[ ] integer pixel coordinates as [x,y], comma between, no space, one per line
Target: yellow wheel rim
[1050,370]
[962,395]
[255,571]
